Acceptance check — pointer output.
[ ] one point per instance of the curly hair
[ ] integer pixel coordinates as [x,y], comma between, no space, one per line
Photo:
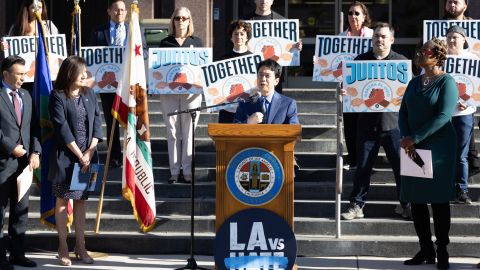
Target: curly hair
[439,50]
[239,25]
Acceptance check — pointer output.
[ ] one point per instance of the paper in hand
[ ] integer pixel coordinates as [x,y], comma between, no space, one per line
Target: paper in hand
[24,181]
[419,166]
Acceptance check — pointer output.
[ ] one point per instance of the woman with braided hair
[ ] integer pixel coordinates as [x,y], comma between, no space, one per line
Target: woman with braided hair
[425,123]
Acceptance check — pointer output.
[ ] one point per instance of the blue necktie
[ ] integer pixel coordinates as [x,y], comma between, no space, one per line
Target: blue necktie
[265,110]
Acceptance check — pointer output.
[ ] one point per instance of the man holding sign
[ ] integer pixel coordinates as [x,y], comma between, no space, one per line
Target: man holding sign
[375,129]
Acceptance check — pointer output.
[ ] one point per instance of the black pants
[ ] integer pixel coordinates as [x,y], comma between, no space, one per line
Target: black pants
[441,224]
[350,131]
[107,104]
[18,218]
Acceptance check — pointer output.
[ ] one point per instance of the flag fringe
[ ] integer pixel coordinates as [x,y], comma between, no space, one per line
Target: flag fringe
[128,195]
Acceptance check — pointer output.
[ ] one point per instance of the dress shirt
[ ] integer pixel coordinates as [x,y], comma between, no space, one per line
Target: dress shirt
[113,31]
[19,96]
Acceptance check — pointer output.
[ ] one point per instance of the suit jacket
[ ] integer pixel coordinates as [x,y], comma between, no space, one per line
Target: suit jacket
[101,36]
[64,117]
[283,110]
[11,133]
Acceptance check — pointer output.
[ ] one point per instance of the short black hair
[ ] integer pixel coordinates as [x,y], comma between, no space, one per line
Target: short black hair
[10,61]
[384,25]
[113,2]
[271,65]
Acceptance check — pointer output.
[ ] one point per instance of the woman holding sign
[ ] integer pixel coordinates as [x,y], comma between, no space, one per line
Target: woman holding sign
[179,127]
[26,24]
[425,123]
[76,119]
[359,22]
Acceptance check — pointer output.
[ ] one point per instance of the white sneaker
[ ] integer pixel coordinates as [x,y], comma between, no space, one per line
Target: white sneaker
[353,212]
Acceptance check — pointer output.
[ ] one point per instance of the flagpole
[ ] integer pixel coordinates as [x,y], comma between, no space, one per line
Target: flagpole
[104,179]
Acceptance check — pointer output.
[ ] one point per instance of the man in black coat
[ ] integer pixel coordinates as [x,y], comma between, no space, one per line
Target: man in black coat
[19,147]
[112,34]
[375,130]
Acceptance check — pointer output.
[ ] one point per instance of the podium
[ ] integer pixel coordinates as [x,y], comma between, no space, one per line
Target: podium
[230,139]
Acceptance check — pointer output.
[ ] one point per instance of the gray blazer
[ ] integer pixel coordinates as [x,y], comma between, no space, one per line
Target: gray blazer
[64,118]
[11,133]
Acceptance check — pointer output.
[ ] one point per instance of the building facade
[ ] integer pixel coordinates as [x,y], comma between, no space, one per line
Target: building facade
[212,17]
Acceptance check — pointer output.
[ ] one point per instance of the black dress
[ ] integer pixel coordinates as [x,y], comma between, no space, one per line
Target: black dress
[62,190]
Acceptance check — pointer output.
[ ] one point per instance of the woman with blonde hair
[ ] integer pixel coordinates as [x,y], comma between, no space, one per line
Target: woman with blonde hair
[179,127]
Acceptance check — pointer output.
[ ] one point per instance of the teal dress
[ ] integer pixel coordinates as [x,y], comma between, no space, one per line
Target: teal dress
[425,115]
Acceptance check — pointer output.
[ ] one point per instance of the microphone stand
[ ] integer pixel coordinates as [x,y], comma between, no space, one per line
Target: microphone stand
[191,263]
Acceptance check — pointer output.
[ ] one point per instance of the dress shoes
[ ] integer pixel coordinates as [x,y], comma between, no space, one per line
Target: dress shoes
[22,261]
[5,265]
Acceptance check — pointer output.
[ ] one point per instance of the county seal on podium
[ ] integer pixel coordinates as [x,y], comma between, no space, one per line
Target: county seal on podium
[254,176]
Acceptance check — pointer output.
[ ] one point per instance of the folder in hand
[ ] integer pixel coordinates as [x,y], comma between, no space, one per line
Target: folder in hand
[89,181]
[420,165]
[24,181]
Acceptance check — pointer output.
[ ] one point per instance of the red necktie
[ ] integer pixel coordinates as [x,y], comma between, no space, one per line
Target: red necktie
[16,106]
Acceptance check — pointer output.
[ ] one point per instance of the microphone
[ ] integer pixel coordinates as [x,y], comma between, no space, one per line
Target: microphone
[251,99]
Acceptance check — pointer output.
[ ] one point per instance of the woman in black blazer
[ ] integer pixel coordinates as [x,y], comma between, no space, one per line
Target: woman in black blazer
[78,128]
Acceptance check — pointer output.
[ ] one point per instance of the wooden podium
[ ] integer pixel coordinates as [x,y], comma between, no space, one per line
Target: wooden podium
[233,138]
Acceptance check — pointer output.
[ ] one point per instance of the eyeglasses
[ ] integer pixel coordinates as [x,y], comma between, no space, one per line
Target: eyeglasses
[178,18]
[427,52]
[350,13]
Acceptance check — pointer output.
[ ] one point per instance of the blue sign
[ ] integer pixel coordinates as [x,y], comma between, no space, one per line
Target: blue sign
[255,238]
[254,176]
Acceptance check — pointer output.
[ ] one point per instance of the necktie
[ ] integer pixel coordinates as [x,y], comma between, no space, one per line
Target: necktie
[118,35]
[16,106]
[264,110]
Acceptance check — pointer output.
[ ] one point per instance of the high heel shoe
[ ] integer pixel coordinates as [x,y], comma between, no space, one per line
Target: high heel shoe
[422,256]
[64,260]
[83,256]
[442,256]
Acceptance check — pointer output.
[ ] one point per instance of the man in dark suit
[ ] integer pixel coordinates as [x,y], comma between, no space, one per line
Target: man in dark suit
[19,147]
[271,107]
[113,34]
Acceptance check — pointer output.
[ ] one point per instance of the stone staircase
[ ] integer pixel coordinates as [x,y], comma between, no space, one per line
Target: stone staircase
[380,233]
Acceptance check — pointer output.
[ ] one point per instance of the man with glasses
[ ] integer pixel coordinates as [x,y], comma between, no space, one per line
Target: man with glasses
[19,147]
[113,34]
[375,130]
[271,107]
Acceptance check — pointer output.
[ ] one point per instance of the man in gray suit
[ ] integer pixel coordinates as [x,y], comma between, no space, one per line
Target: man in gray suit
[19,147]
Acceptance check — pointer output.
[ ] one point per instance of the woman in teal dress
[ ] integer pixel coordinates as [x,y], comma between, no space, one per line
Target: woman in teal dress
[425,123]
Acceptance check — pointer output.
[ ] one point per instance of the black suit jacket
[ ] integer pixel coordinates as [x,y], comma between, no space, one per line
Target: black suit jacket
[12,134]
[64,117]
[101,36]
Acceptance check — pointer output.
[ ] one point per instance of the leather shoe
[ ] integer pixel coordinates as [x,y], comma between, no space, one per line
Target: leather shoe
[5,265]
[22,261]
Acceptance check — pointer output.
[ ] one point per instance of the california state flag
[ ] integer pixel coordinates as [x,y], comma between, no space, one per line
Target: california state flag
[131,110]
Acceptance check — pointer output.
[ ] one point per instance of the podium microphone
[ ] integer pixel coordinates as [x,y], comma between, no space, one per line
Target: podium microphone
[251,99]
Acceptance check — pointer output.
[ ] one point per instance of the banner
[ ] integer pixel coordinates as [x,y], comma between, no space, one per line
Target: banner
[375,86]
[175,70]
[275,39]
[25,47]
[466,72]
[330,51]
[104,66]
[438,28]
[228,80]
[130,108]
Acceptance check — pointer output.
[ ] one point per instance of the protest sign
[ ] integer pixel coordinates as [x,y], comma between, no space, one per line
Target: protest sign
[104,67]
[375,86]
[26,46]
[228,80]
[438,28]
[176,70]
[276,39]
[330,51]
[466,72]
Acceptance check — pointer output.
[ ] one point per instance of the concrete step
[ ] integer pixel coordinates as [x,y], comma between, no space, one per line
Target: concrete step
[307,245]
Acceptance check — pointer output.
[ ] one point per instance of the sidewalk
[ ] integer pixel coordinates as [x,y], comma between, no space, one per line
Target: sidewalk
[163,262]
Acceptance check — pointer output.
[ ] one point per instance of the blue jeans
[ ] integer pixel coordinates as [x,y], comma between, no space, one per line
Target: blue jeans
[463,127]
[367,153]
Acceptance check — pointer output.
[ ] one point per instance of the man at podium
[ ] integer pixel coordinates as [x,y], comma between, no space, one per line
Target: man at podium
[271,107]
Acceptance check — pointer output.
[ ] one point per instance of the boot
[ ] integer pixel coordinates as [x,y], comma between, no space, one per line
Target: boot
[425,255]
[442,257]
